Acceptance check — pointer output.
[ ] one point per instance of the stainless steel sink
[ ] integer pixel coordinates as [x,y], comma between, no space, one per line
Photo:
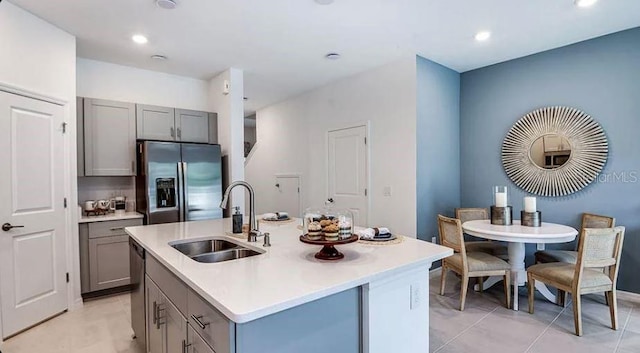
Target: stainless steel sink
[213,250]
[204,246]
[226,255]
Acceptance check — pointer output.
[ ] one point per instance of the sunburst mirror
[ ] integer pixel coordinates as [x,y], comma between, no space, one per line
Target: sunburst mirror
[554,151]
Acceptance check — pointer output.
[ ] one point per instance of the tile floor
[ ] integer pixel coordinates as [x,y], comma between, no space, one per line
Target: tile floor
[486,325]
[103,326]
[100,326]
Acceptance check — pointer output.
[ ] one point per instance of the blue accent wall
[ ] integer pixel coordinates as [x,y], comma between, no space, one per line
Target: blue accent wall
[438,144]
[601,77]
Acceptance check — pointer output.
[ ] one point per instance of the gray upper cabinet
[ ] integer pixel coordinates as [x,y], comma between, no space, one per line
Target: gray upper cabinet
[109,138]
[192,126]
[180,125]
[156,123]
[80,134]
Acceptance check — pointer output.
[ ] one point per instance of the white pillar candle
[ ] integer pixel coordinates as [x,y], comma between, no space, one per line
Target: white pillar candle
[501,199]
[530,204]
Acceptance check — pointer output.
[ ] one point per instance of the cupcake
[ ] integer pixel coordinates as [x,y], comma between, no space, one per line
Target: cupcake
[314,231]
[331,232]
[345,229]
[325,222]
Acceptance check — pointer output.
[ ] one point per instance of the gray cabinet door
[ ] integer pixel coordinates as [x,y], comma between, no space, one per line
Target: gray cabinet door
[80,134]
[155,329]
[109,138]
[192,126]
[176,326]
[109,262]
[196,343]
[156,123]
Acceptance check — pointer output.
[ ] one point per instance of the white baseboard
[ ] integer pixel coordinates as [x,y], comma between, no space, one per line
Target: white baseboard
[628,296]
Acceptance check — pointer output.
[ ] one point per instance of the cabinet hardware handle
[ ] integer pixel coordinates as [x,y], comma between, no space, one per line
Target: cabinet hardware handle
[173,133]
[155,312]
[116,228]
[179,132]
[133,166]
[185,346]
[197,320]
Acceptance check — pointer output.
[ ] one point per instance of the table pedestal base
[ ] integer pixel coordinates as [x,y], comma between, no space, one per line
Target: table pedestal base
[519,274]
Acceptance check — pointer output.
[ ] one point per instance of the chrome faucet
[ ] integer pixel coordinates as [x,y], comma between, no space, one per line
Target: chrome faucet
[254,231]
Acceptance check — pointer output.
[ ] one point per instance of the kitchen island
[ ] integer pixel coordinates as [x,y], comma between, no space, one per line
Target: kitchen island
[376,299]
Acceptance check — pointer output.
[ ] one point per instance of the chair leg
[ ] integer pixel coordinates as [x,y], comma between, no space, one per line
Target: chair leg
[531,284]
[613,308]
[443,279]
[507,288]
[561,298]
[463,290]
[577,313]
[480,281]
[606,299]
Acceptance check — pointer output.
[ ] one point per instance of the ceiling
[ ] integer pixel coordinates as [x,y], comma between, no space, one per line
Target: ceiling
[280,44]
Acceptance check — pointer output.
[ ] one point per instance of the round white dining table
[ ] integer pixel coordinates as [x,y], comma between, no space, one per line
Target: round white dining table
[516,236]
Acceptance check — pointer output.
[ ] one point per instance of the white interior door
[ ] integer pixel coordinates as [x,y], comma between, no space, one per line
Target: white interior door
[288,199]
[32,258]
[348,171]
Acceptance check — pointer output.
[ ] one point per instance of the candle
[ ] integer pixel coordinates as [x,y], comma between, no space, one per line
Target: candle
[530,204]
[501,199]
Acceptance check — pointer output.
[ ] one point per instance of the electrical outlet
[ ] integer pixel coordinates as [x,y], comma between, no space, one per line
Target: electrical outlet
[415,296]
[433,240]
[386,191]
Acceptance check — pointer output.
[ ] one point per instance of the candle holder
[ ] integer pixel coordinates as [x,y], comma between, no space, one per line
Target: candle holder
[502,216]
[531,219]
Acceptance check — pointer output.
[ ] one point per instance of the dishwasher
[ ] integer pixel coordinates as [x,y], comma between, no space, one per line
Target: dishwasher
[137,261]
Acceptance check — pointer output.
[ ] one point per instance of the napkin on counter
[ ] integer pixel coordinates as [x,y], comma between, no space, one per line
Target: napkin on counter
[275,216]
[374,233]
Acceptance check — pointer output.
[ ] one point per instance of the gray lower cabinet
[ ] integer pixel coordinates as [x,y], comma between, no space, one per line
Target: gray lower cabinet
[166,327]
[176,313]
[104,254]
[109,138]
[196,343]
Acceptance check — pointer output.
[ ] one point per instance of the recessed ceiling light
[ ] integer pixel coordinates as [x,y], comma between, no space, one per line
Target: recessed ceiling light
[324,2]
[332,56]
[584,3]
[139,38]
[483,35]
[166,4]
[158,57]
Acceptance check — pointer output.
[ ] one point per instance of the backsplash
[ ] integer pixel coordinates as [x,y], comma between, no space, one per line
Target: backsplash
[98,188]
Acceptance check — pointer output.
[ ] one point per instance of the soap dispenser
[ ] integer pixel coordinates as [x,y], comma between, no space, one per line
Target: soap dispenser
[237,221]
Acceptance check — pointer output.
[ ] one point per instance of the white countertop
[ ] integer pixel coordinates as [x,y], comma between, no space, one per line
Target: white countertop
[109,217]
[286,275]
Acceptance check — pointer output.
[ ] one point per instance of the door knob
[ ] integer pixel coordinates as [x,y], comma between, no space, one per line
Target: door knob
[7,227]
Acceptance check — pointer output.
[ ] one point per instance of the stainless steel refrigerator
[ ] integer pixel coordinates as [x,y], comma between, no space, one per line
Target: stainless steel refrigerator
[178,182]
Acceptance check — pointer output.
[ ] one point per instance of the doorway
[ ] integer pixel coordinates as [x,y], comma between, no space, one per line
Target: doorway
[348,171]
[288,198]
[33,283]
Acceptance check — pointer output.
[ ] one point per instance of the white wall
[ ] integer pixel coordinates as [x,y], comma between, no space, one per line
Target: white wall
[40,58]
[98,79]
[292,137]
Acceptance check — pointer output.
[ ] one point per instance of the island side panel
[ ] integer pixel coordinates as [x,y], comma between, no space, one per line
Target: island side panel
[395,312]
[331,324]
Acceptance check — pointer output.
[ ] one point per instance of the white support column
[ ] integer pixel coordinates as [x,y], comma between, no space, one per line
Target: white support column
[226,97]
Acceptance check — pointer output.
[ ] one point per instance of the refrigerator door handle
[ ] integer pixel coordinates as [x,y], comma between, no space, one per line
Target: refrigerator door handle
[185,186]
[181,192]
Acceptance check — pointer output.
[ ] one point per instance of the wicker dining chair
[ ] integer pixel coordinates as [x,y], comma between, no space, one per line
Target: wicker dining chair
[472,264]
[599,248]
[490,247]
[589,220]
[570,256]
